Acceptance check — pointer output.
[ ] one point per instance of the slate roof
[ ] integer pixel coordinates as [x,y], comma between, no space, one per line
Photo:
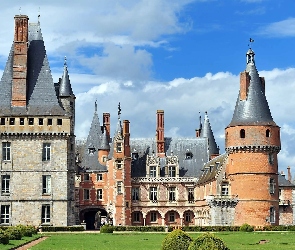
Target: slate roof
[41,95]
[197,147]
[65,88]
[211,168]
[254,110]
[283,182]
[93,143]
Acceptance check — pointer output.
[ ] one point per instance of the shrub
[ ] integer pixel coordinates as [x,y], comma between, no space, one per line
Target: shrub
[14,233]
[246,228]
[176,240]
[62,228]
[207,241]
[107,229]
[4,237]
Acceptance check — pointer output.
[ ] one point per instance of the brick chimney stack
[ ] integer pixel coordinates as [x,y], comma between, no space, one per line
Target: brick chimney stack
[160,134]
[19,81]
[289,174]
[244,85]
[126,135]
[107,124]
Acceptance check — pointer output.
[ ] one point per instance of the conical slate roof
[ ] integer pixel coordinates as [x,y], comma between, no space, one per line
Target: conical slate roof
[65,88]
[254,110]
[207,132]
[104,145]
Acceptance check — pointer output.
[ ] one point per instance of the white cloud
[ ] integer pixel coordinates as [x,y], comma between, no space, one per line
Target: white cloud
[284,28]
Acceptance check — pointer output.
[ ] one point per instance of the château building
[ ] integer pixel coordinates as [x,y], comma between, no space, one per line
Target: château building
[49,178]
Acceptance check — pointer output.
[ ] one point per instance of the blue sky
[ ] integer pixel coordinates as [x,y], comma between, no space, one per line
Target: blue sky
[182,56]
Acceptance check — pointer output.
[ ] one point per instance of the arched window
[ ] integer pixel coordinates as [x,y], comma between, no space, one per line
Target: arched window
[267,134]
[242,133]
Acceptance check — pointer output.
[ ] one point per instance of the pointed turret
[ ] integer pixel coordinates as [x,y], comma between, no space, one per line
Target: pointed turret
[251,106]
[65,88]
[104,145]
[199,129]
[119,128]
[206,132]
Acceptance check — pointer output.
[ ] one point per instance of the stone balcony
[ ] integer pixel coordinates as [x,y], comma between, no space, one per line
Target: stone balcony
[164,180]
[222,200]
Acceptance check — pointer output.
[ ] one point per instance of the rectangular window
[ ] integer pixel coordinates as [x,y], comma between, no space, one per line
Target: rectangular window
[12,121]
[99,194]
[86,194]
[21,121]
[171,216]
[31,121]
[153,193]
[154,216]
[40,121]
[5,214]
[46,152]
[119,187]
[5,184]
[172,193]
[271,158]
[172,171]
[46,184]
[45,217]
[2,121]
[224,188]
[59,122]
[119,147]
[187,217]
[191,197]
[6,151]
[272,215]
[135,193]
[271,186]
[49,121]
[136,216]
[119,164]
[153,171]
[86,177]
[99,177]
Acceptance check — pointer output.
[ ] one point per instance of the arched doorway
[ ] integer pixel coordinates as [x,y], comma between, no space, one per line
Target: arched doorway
[94,218]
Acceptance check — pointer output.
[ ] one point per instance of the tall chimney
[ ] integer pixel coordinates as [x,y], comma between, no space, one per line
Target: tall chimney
[289,174]
[19,79]
[126,135]
[160,133]
[244,85]
[107,124]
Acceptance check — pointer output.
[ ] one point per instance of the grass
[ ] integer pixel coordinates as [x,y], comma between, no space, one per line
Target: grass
[152,241]
[14,243]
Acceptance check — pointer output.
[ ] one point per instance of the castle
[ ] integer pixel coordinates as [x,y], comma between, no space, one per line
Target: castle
[49,179]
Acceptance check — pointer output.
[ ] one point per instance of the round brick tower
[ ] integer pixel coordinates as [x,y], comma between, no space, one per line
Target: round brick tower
[252,143]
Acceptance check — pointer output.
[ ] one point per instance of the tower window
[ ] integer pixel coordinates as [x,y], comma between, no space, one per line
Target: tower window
[267,134]
[49,121]
[59,122]
[21,121]
[272,215]
[31,121]
[6,151]
[271,186]
[46,152]
[40,121]
[2,121]
[188,155]
[11,121]
[242,133]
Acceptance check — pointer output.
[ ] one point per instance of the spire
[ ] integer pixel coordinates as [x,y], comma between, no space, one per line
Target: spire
[65,88]
[119,124]
[251,106]
[95,134]
[208,133]
[104,141]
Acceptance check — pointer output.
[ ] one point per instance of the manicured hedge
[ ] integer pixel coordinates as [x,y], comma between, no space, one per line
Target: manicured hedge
[58,229]
[15,233]
[176,240]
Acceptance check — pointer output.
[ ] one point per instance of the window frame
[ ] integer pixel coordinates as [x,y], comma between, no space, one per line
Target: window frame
[171,216]
[153,171]
[99,194]
[172,171]
[119,147]
[136,216]
[224,189]
[191,194]
[99,177]
[4,214]
[119,163]
[153,216]
[272,185]
[46,151]
[135,193]
[86,194]
[46,184]
[153,194]
[272,215]
[187,217]
[45,214]
[6,151]
[119,187]
[5,184]
[172,194]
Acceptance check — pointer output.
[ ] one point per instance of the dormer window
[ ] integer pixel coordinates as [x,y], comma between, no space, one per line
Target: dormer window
[224,188]
[134,156]
[188,155]
[119,147]
[153,171]
[242,133]
[172,171]
[91,151]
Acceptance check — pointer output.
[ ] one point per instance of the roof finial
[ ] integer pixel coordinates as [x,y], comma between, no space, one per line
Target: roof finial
[119,110]
[39,15]
[251,41]
[95,106]
[65,62]
[20,11]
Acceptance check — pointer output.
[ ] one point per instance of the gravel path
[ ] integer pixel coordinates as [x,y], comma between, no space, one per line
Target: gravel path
[32,243]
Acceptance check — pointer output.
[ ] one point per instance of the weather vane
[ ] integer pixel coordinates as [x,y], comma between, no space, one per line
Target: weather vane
[119,110]
[251,41]
[95,105]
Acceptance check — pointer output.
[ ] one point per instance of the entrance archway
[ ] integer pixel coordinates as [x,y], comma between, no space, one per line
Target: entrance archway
[92,220]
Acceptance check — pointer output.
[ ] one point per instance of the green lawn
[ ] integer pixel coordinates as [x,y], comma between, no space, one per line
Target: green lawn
[15,243]
[150,241]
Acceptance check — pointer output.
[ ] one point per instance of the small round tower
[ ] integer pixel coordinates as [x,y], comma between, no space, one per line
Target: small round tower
[252,143]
